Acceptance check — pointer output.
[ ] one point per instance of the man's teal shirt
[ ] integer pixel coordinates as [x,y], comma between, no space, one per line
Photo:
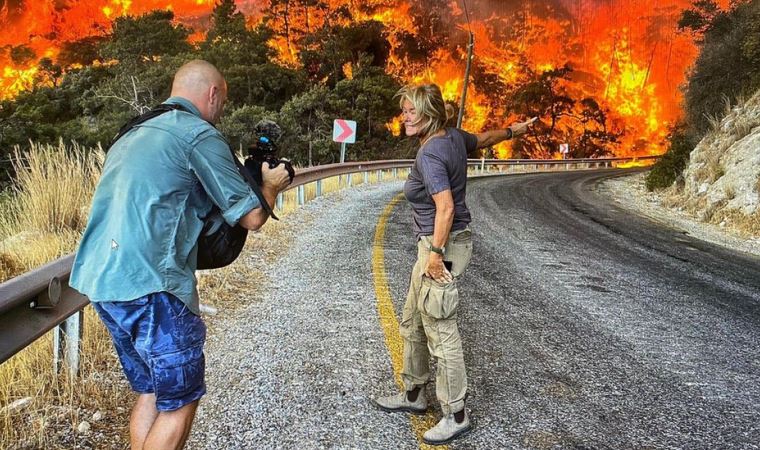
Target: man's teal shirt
[159,181]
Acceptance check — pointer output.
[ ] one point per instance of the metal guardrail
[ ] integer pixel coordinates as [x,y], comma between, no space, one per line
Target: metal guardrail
[41,300]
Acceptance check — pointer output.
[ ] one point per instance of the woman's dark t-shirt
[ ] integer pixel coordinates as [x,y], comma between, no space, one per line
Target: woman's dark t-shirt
[440,164]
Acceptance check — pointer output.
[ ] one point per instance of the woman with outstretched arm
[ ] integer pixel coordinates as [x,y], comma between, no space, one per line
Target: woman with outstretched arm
[436,190]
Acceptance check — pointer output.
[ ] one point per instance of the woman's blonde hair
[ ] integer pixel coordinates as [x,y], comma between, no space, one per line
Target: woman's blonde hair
[433,113]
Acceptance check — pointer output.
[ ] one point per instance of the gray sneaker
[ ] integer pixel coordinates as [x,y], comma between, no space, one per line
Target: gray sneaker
[399,403]
[447,430]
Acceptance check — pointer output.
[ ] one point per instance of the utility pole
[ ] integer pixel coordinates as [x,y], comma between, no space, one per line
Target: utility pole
[470,46]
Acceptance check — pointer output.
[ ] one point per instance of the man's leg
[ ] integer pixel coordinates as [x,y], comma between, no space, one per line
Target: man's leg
[174,352]
[144,414]
[171,429]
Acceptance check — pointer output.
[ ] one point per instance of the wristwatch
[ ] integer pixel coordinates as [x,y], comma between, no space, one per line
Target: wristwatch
[510,133]
[439,250]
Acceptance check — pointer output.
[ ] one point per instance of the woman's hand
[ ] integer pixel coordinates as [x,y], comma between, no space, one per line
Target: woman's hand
[436,270]
[519,128]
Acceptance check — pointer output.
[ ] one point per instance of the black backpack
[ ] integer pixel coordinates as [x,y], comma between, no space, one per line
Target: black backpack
[219,244]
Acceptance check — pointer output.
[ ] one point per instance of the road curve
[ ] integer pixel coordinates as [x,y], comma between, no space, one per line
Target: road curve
[588,327]
[584,327]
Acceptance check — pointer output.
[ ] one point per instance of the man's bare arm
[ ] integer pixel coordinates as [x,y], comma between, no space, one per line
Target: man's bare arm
[274,181]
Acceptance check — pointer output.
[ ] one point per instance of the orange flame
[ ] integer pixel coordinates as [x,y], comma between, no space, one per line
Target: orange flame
[625,54]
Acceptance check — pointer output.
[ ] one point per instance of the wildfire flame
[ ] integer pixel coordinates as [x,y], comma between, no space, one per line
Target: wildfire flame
[625,54]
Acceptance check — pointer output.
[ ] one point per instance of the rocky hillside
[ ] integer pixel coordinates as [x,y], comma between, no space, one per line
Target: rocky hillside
[721,183]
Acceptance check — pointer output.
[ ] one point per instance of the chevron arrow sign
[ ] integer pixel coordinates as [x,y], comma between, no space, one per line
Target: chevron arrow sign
[344,131]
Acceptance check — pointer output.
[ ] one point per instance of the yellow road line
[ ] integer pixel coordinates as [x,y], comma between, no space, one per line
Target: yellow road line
[388,320]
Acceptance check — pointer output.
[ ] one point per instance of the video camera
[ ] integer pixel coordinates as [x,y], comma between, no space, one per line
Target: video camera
[264,150]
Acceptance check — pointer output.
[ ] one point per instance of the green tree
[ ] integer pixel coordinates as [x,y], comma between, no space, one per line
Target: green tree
[672,164]
[267,85]
[82,52]
[327,52]
[727,65]
[307,126]
[368,99]
[230,43]
[146,38]
[237,125]
[727,68]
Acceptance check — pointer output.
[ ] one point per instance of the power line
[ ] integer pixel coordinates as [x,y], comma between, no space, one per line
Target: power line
[467,15]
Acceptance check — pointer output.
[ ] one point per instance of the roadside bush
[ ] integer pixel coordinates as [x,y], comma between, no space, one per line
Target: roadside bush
[667,170]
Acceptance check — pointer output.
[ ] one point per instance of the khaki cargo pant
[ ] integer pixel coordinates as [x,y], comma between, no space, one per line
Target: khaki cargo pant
[429,324]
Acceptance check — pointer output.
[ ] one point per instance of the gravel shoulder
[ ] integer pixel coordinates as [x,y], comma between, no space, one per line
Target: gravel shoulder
[554,358]
[630,193]
[295,368]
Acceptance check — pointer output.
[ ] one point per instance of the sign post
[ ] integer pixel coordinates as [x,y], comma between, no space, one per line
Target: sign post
[344,131]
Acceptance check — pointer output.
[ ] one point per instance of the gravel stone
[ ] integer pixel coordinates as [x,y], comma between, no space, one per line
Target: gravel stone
[84,427]
[297,370]
[584,326]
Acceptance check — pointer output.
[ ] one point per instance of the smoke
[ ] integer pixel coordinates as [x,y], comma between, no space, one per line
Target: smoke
[10,10]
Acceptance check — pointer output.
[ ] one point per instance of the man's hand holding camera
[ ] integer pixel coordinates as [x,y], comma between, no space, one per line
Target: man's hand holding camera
[276,179]
[272,174]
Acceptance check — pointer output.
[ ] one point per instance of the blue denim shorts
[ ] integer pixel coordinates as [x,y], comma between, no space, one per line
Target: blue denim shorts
[160,345]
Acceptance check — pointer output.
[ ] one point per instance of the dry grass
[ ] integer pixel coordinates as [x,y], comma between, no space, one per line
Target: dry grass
[730,191]
[743,127]
[42,219]
[746,225]
[59,404]
[47,208]
[711,168]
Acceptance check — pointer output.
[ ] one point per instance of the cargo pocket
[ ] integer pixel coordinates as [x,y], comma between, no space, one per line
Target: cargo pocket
[438,300]
[459,252]
[178,375]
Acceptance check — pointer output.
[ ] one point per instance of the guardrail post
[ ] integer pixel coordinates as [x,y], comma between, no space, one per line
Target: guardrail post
[278,202]
[379,175]
[366,177]
[67,339]
[482,165]
[301,196]
[348,180]
[319,188]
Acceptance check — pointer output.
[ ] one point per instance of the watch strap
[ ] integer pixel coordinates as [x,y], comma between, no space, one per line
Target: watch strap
[435,249]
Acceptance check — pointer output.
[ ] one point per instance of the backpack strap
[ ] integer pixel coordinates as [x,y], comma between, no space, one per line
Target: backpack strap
[144,117]
[165,108]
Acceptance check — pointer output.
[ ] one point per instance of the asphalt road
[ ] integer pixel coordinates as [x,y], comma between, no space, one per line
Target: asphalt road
[584,326]
[588,327]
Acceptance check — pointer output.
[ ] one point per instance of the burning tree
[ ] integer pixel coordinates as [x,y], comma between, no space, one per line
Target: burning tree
[621,95]
[563,119]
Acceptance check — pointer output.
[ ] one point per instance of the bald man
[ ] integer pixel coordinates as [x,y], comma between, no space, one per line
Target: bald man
[138,255]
